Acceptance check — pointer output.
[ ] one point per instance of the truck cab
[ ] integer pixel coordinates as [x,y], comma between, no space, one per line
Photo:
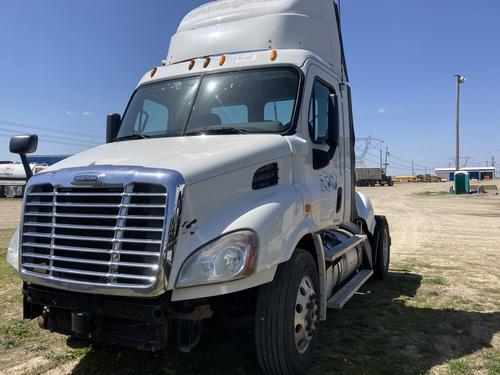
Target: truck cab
[228,181]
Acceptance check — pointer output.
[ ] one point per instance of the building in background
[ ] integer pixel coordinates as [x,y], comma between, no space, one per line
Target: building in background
[475,173]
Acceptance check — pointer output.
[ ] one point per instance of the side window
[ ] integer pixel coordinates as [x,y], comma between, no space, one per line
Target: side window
[321,113]
[152,119]
[279,111]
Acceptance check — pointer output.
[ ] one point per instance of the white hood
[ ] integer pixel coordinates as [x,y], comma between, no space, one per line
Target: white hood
[196,158]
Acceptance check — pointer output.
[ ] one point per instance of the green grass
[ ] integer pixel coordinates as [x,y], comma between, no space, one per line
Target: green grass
[408,324]
[492,362]
[459,367]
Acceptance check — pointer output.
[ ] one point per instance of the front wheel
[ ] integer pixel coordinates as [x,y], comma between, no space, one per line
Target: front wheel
[383,245]
[287,317]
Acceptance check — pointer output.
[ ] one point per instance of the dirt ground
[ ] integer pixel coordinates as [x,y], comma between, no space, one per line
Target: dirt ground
[437,313]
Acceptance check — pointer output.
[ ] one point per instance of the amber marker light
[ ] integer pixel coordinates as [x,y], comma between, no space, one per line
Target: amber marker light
[273,55]
[207,61]
[191,65]
[222,60]
[153,72]
[308,208]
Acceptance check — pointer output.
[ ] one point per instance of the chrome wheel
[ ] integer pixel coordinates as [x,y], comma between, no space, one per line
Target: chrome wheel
[306,314]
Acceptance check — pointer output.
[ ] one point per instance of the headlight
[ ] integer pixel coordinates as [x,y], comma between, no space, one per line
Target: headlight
[230,257]
[13,251]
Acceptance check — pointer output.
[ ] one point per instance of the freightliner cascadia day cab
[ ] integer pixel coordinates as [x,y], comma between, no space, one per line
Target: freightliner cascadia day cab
[225,189]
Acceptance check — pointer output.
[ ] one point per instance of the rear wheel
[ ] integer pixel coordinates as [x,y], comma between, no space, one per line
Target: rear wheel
[383,245]
[287,317]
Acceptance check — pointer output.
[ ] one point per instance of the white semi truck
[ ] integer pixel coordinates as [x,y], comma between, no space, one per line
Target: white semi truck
[226,189]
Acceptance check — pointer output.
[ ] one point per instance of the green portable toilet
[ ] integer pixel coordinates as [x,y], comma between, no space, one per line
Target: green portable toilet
[461,183]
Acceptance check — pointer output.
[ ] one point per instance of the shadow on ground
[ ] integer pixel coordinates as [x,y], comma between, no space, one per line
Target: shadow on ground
[375,334]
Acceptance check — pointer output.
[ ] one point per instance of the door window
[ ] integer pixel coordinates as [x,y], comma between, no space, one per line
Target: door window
[321,113]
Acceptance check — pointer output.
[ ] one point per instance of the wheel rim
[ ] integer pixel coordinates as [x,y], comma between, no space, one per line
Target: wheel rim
[385,249]
[306,314]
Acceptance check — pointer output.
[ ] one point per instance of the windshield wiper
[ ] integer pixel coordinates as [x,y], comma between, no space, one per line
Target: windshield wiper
[133,136]
[215,131]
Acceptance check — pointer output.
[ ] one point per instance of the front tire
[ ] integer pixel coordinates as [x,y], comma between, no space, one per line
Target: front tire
[287,317]
[383,246]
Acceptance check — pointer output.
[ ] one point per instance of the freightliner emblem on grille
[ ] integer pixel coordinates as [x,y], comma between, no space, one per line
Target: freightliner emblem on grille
[87,180]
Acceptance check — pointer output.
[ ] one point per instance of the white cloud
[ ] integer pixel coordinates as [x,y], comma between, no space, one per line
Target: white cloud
[87,113]
[69,113]
[381,110]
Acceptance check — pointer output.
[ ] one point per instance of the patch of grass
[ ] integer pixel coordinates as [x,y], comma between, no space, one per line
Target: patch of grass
[492,363]
[459,367]
[17,328]
[69,355]
[435,280]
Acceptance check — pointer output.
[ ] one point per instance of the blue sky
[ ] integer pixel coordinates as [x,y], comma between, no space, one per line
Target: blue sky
[65,65]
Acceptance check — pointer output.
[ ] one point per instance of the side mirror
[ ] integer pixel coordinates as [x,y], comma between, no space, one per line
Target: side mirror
[113,123]
[23,145]
[334,122]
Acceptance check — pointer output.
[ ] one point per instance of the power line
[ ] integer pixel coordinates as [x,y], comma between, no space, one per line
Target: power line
[57,142]
[37,127]
[55,137]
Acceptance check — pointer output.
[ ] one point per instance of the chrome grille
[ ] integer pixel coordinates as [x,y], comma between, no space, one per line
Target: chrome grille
[100,236]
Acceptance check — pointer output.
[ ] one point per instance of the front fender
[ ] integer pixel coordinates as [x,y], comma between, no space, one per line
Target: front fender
[276,214]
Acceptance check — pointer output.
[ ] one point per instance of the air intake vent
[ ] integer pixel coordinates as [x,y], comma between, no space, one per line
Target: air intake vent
[266,176]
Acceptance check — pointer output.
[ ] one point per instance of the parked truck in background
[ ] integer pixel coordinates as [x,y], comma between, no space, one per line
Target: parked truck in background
[372,177]
[226,190]
[13,178]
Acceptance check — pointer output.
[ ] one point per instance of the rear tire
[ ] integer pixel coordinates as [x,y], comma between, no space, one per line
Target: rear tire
[382,238]
[287,317]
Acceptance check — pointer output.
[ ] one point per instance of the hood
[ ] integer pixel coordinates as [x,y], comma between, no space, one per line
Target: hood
[196,158]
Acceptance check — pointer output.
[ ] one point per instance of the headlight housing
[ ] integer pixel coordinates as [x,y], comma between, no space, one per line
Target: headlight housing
[231,257]
[13,251]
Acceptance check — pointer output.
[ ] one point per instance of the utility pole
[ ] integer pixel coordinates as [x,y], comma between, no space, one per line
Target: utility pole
[386,156]
[412,168]
[381,165]
[460,80]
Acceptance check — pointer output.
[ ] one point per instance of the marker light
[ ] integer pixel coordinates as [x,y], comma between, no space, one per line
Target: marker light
[153,72]
[273,55]
[207,61]
[191,65]
[222,60]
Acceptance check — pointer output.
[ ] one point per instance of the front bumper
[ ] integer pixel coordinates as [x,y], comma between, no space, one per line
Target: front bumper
[130,322]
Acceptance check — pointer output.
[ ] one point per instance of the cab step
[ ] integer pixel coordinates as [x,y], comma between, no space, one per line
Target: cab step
[340,298]
[342,248]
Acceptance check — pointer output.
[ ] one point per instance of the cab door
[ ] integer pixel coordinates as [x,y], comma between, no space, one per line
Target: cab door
[325,173]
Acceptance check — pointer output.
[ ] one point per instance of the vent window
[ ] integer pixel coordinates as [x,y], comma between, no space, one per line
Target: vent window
[266,176]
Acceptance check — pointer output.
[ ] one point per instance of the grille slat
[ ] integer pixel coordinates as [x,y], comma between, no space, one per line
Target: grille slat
[93,239]
[86,261]
[96,236]
[84,216]
[90,227]
[91,250]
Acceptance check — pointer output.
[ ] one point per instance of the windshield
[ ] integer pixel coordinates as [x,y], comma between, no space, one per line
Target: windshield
[252,101]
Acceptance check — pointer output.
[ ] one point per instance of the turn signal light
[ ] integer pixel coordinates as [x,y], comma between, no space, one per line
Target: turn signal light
[222,60]
[153,72]
[191,65]
[273,55]
[207,61]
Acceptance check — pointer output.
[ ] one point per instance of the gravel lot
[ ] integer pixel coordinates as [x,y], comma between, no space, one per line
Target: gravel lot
[438,313]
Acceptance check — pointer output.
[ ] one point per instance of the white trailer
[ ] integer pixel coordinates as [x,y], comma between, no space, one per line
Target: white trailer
[13,178]
[228,184]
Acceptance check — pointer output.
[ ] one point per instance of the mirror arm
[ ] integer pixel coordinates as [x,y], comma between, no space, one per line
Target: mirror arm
[26,166]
